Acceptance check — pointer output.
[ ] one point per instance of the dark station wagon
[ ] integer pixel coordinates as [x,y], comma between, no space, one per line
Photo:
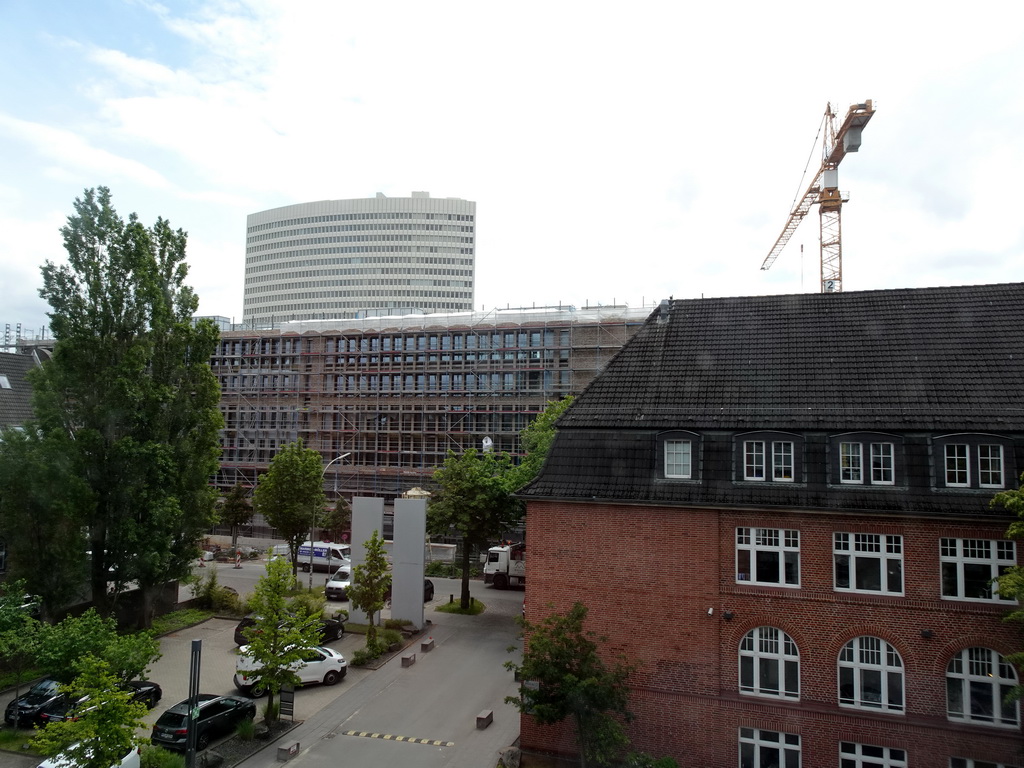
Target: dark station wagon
[218,716]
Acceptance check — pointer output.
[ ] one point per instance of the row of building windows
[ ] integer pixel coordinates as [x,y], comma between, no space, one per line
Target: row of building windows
[873,562]
[417,297]
[279,245]
[401,289]
[467,384]
[291,258]
[250,265]
[871,676]
[763,748]
[964,461]
[374,273]
[307,231]
[381,216]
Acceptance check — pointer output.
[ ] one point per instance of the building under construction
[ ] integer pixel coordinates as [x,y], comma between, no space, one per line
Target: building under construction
[385,398]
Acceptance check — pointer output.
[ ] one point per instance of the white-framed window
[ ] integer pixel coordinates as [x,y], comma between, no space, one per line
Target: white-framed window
[679,459]
[768,556]
[854,755]
[970,565]
[990,466]
[977,683]
[753,460]
[958,472]
[868,562]
[966,762]
[851,466]
[882,464]
[870,675]
[768,749]
[782,461]
[769,664]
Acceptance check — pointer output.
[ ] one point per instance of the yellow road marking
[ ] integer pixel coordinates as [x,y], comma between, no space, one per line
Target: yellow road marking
[408,739]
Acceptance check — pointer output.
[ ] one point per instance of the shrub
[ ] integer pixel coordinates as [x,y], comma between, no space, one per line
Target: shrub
[643,760]
[246,730]
[308,603]
[363,656]
[158,757]
[389,637]
[396,623]
[443,570]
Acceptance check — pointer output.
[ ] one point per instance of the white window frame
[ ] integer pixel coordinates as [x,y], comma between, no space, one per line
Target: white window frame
[957,555]
[770,662]
[990,465]
[783,461]
[979,670]
[854,755]
[883,464]
[859,551]
[868,656]
[970,762]
[673,459]
[851,463]
[957,463]
[782,543]
[761,748]
[753,460]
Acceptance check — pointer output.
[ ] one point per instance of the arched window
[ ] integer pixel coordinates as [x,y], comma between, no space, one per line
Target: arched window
[870,675]
[977,682]
[769,664]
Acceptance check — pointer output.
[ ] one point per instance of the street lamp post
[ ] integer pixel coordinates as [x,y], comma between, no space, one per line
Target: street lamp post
[312,522]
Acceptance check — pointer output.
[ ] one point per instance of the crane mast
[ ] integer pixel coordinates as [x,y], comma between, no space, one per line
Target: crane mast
[824,190]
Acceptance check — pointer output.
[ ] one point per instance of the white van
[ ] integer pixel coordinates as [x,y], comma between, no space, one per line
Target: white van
[328,556]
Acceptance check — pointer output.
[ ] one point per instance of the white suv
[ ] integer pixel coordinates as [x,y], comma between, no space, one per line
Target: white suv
[317,665]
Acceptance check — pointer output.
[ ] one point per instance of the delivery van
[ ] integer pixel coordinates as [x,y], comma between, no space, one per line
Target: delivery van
[328,556]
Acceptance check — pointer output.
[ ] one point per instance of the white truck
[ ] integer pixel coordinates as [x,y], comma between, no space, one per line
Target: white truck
[506,565]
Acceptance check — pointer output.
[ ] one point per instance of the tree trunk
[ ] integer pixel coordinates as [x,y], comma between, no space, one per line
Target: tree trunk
[144,619]
[271,717]
[234,538]
[98,570]
[464,602]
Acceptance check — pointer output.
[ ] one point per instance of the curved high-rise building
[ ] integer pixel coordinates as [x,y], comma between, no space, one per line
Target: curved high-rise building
[358,258]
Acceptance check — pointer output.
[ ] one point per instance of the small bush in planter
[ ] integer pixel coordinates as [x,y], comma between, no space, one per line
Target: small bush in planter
[246,730]
[390,638]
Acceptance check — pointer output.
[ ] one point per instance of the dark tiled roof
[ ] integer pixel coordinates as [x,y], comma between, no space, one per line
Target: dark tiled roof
[933,358]
[916,363]
[16,402]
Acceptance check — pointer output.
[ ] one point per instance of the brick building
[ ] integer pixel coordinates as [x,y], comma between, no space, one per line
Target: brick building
[779,508]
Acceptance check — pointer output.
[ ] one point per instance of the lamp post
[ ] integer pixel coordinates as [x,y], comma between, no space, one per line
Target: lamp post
[312,522]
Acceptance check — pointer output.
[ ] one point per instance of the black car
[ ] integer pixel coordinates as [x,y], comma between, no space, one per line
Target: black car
[218,716]
[330,629]
[428,592]
[62,708]
[24,712]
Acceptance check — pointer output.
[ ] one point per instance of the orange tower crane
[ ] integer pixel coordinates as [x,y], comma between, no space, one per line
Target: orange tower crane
[824,190]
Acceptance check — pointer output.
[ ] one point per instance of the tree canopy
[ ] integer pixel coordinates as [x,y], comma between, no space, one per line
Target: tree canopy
[535,441]
[473,502]
[235,511]
[290,494]
[128,406]
[566,677]
[369,586]
[1011,582]
[282,631]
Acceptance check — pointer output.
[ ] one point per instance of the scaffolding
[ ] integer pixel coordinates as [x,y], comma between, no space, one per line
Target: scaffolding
[396,393]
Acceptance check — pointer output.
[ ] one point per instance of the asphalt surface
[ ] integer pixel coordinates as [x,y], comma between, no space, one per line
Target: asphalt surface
[398,710]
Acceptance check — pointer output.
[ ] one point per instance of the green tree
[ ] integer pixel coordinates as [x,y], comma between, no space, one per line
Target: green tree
[64,647]
[19,633]
[568,678]
[473,502]
[236,511]
[129,397]
[337,522]
[535,441]
[105,731]
[290,494]
[369,586]
[42,505]
[1011,582]
[278,638]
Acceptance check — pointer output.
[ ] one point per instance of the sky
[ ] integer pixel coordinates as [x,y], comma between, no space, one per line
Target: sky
[618,153]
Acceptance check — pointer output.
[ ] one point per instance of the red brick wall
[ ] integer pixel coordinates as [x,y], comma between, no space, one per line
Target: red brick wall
[648,576]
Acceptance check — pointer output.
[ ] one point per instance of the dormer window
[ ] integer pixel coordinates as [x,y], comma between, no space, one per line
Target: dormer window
[864,458]
[769,457]
[680,452]
[971,461]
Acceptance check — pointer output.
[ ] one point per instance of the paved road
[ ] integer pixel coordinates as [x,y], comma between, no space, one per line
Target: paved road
[436,699]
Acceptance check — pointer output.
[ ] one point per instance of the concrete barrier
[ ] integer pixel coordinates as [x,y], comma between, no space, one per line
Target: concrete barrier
[409,659]
[485,718]
[284,754]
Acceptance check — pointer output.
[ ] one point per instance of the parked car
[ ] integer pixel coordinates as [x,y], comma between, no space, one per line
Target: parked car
[318,665]
[428,592]
[218,716]
[330,629]
[337,586]
[24,712]
[64,760]
[62,708]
